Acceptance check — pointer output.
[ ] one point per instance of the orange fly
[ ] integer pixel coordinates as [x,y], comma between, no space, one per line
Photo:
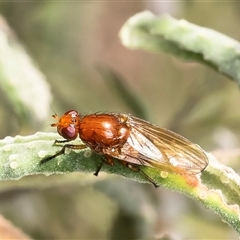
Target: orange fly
[132,141]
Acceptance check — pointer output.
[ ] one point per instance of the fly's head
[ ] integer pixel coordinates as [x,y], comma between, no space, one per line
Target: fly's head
[68,124]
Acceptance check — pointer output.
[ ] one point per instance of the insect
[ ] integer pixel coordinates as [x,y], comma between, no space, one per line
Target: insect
[133,141]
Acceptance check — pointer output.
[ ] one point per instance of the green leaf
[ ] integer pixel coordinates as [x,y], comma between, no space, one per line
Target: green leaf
[184,40]
[217,188]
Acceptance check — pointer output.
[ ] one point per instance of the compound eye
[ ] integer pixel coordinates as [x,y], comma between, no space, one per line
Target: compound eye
[69,133]
[72,113]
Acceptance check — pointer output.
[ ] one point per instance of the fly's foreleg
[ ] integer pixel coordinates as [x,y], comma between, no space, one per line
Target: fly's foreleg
[62,151]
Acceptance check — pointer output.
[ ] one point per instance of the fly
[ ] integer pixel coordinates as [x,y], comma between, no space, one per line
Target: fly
[132,141]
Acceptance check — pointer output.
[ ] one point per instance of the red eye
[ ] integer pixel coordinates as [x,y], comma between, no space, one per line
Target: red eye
[69,133]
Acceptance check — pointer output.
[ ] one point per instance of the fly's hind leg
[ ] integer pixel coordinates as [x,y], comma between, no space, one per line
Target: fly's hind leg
[137,169]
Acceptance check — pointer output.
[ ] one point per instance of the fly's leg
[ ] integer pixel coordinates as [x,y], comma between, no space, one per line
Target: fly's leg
[137,169]
[61,141]
[98,169]
[62,151]
[108,160]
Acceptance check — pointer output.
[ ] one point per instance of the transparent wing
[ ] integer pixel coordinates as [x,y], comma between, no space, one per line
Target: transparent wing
[153,146]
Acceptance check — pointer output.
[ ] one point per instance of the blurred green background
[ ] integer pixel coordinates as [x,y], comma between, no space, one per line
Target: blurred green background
[76,47]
